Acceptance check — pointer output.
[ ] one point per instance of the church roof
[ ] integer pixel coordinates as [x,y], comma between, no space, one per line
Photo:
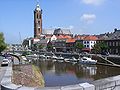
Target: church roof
[62,31]
[56,31]
[47,31]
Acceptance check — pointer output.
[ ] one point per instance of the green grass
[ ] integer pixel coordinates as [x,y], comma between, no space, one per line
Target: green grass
[38,75]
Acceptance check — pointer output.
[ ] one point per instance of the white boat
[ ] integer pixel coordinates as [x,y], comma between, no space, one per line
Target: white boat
[54,57]
[60,59]
[48,57]
[73,59]
[33,56]
[24,58]
[42,56]
[67,60]
[87,60]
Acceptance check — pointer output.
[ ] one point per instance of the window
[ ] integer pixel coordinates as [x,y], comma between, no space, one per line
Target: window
[87,41]
[87,45]
[113,43]
[39,22]
[37,16]
[116,51]
[38,30]
[117,43]
[109,43]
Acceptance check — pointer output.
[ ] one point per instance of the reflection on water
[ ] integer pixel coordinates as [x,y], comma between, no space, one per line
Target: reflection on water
[60,74]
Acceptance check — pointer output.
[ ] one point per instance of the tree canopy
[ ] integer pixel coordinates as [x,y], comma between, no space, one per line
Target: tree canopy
[2,42]
[100,47]
[79,46]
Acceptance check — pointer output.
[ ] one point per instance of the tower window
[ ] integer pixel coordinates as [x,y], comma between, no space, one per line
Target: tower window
[39,30]
[38,22]
[37,16]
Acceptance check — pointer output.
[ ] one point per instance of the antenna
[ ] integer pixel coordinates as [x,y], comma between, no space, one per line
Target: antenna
[20,38]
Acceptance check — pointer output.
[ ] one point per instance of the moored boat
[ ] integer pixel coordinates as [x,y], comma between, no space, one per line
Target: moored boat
[87,60]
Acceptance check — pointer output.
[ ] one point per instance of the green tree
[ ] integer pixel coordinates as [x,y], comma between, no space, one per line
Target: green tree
[100,47]
[40,46]
[79,46]
[97,48]
[104,46]
[2,43]
[49,46]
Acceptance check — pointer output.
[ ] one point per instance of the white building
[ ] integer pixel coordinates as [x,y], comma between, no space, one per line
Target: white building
[89,41]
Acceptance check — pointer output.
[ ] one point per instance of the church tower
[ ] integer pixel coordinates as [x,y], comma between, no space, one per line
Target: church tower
[37,22]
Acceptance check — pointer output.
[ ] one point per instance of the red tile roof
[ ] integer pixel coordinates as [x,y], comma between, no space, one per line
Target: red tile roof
[80,37]
[60,37]
[63,37]
[66,36]
[93,38]
[72,40]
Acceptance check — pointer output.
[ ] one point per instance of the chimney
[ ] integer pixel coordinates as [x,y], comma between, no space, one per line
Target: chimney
[115,29]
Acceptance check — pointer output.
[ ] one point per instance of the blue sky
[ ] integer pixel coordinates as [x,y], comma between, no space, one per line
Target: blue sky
[82,16]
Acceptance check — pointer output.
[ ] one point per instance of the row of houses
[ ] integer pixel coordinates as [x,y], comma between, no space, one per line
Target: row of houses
[61,40]
[65,42]
[112,40]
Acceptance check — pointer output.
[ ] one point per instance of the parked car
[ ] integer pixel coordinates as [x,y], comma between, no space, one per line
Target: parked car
[5,62]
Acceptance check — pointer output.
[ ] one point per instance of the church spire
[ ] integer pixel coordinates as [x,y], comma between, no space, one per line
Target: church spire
[38,7]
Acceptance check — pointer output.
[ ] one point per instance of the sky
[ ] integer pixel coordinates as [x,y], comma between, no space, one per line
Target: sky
[81,16]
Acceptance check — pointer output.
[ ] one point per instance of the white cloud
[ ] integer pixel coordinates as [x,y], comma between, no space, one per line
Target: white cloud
[93,2]
[88,18]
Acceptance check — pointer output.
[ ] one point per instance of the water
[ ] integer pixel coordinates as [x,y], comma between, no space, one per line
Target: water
[60,74]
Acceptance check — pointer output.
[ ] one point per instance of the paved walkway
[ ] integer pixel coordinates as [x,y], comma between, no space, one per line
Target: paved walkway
[2,72]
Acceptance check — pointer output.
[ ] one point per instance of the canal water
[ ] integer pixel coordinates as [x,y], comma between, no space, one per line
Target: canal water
[61,74]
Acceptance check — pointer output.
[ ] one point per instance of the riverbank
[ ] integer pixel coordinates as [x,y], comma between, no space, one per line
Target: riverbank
[27,75]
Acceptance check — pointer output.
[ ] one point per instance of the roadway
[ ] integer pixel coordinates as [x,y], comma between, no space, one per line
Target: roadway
[3,68]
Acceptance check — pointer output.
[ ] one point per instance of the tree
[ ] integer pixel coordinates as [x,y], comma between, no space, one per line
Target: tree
[79,46]
[104,46]
[49,46]
[2,43]
[40,46]
[97,48]
[100,47]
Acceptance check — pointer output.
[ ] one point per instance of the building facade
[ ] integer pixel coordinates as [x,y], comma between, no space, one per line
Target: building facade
[112,40]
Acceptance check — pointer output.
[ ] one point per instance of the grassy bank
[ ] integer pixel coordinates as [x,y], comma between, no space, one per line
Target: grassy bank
[38,75]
